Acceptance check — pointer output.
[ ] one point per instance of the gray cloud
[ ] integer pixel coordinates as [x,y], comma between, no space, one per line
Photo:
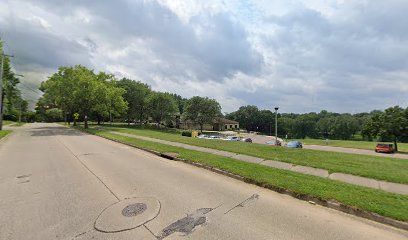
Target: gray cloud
[349,58]
[34,45]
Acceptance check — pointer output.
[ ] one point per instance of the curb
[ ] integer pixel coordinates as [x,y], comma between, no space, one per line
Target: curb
[313,200]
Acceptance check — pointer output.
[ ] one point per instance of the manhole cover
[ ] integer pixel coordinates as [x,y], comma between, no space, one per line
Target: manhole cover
[127,214]
[134,209]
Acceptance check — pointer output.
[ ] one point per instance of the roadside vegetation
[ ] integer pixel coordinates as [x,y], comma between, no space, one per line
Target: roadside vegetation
[383,203]
[381,168]
[14,108]
[4,133]
[12,123]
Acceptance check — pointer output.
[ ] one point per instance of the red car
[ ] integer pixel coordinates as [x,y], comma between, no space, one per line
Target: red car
[384,148]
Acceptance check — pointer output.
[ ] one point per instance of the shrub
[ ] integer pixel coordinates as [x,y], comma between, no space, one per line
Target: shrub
[186,133]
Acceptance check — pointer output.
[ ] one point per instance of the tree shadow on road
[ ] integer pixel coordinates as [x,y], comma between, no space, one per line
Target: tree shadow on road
[55,131]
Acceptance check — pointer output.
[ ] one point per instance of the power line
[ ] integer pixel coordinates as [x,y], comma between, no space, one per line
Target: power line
[31,89]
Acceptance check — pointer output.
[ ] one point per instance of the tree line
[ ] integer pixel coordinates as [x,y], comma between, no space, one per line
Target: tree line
[388,125]
[79,94]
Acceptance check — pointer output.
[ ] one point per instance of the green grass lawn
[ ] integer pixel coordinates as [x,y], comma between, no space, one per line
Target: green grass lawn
[377,201]
[403,147]
[3,133]
[7,122]
[12,123]
[388,169]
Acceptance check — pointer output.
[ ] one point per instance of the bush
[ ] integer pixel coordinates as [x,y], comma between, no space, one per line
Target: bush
[54,115]
[186,133]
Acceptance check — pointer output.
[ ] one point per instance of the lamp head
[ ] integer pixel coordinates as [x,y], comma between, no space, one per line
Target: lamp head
[276,108]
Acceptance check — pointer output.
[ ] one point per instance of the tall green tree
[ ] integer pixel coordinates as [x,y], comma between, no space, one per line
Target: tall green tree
[136,97]
[180,101]
[161,107]
[305,125]
[201,110]
[247,116]
[13,104]
[79,90]
[393,122]
[59,92]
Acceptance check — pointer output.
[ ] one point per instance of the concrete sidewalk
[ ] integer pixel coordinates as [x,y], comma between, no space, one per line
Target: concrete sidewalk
[343,177]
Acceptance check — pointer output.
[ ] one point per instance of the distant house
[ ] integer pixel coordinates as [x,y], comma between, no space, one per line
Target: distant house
[219,124]
[222,124]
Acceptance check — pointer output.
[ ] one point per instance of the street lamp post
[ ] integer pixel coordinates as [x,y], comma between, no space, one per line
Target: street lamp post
[276,125]
[20,101]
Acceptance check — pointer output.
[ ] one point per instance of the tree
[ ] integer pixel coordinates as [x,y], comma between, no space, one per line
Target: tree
[53,115]
[344,126]
[201,110]
[109,101]
[161,107]
[393,122]
[78,89]
[136,97]
[305,125]
[180,101]
[59,91]
[13,104]
[339,127]
[247,116]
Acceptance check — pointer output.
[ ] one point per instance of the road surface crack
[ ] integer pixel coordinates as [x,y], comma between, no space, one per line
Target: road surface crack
[83,164]
[246,202]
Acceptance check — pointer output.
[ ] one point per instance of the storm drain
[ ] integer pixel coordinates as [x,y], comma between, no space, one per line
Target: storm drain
[134,209]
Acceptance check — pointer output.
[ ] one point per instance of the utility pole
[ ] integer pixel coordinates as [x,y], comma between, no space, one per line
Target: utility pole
[276,125]
[20,101]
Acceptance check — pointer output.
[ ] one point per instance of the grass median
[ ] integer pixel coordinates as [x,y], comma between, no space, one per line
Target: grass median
[4,133]
[383,203]
[381,168]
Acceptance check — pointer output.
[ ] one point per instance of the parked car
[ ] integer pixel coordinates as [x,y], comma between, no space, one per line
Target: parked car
[384,148]
[203,136]
[214,137]
[274,142]
[246,140]
[232,138]
[294,144]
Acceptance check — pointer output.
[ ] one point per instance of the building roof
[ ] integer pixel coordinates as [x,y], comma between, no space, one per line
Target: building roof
[226,121]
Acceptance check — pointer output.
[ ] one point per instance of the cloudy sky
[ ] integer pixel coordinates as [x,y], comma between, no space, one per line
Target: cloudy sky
[344,56]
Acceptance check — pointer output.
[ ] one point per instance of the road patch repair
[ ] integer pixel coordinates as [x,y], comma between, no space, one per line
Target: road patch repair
[127,214]
[323,173]
[187,224]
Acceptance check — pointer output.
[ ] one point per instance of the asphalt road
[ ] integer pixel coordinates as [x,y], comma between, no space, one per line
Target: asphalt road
[57,183]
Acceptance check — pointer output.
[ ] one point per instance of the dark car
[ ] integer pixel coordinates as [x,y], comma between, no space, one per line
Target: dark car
[294,144]
[246,140]
[384,148]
